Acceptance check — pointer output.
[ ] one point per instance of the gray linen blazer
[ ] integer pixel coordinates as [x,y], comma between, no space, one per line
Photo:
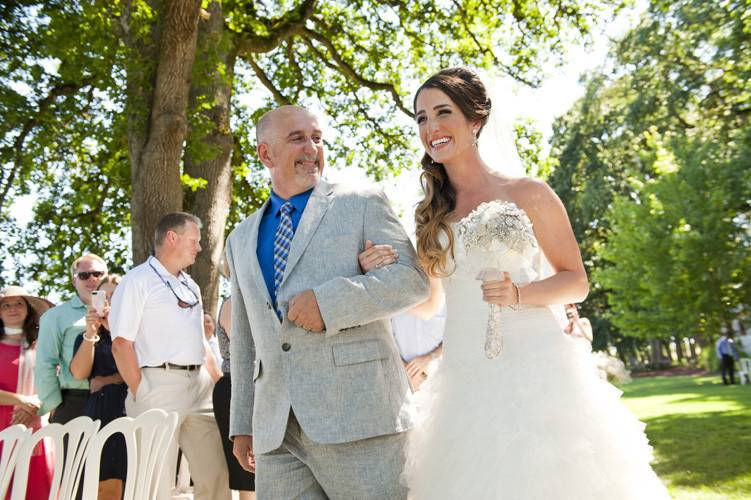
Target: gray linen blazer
[345,384]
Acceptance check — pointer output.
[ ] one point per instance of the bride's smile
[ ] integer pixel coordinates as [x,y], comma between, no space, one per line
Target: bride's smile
[445,132]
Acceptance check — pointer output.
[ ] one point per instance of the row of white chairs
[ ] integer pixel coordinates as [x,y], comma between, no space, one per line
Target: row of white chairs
[147,438]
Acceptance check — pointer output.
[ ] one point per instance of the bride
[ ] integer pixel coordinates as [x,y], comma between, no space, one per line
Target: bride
[516,409]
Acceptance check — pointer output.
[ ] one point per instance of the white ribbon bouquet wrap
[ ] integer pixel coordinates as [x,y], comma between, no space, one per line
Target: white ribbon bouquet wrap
[493,334]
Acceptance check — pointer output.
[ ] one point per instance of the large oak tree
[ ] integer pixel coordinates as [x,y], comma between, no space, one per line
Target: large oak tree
[115,112]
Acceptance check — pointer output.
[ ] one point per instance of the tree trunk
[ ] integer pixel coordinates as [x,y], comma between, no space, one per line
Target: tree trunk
[655,357]
[208,154]
[665,351]
[689,349]
[156,141]
[679,349]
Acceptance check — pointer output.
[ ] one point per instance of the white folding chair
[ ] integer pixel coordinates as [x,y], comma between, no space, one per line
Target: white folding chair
[79,433]
[11,439]
[146,439]
[744,370]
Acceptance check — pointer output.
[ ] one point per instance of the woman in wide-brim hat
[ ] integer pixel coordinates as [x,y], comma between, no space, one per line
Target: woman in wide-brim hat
[19,327]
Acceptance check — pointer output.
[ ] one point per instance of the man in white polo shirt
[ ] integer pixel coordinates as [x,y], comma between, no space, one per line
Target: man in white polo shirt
[156,322]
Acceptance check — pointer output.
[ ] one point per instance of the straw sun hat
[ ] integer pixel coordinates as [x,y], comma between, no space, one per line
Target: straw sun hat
[39,304]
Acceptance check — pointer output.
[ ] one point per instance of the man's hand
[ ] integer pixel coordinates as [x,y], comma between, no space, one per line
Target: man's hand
[242,448]
[418,365]
[304,312]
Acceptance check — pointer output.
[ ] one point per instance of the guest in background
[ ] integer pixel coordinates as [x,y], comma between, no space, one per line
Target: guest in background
[418,332]
[93,361]
[239,479]
[19,326]
[744,339]
[156,322]
[727,354]
[577,327]
[209,333]
[59,328]
[420,342]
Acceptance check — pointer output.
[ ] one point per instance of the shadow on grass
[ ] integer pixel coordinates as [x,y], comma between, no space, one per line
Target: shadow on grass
[701,449]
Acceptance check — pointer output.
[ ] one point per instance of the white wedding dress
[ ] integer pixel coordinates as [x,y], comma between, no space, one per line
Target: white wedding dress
[534,423]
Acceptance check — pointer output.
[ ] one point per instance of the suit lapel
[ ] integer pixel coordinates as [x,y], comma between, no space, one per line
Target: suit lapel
[255,266]
[318,204]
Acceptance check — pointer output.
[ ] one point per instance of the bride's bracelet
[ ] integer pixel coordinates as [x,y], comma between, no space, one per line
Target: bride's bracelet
[518,304]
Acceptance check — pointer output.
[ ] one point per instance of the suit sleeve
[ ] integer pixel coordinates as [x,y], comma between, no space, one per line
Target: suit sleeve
[347,302]
[242,356]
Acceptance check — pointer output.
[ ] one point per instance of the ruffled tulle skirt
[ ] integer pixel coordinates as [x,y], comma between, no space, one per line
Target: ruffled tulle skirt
[535,423]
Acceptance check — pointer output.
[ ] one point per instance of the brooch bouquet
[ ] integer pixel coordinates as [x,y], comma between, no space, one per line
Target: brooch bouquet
[494,225]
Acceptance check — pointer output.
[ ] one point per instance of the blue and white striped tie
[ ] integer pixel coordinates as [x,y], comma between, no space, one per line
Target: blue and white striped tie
[282,243]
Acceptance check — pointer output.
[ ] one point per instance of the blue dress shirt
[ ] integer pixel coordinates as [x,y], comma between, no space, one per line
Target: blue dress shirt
[267,232]
[726,347]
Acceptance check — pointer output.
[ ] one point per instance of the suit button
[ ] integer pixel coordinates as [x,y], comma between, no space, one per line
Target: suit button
[268,306]
[286,347]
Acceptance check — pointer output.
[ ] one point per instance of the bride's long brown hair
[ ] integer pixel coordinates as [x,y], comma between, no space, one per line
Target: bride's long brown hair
[464,87]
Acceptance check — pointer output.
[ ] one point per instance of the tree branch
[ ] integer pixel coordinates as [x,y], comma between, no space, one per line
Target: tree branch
[96,210]
[17,148]
[373,121]
[345,69]
[510,71]
[290,51]
[280,98]
[290,24]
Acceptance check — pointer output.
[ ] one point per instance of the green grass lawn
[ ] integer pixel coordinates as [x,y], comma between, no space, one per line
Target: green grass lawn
[701,433]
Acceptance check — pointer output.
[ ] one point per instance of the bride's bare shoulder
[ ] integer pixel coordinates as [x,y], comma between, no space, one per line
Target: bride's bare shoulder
[526,192]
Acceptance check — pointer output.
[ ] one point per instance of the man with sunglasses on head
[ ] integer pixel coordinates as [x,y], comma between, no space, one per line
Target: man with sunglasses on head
[59,391]
[156,324]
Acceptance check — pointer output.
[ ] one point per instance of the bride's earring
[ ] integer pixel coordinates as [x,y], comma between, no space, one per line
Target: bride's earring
[474,139]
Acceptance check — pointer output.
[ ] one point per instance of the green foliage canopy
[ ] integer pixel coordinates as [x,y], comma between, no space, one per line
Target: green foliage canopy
[654,171]
[77,80]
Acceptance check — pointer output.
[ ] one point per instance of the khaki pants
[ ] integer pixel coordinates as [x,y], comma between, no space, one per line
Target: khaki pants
[189,394]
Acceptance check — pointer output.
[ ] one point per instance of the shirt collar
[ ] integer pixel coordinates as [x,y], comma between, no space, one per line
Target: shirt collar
[77,303]
[163,270]
[298,201]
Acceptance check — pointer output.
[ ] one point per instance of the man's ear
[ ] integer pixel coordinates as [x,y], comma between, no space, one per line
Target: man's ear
[170,237]
[264,155]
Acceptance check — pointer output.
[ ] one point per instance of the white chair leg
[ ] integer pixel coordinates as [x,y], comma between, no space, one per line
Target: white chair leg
[12,439]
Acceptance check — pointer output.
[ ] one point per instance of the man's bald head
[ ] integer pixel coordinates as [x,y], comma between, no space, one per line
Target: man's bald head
[265,126]
[290,145]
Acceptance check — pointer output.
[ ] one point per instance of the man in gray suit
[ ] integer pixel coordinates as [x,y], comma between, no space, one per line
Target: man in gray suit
[325,412]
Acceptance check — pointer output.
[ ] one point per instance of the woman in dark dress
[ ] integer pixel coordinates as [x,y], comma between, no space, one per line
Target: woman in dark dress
[93,360]
[239,478]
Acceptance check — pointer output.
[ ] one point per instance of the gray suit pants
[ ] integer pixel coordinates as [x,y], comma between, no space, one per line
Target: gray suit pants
[305,470]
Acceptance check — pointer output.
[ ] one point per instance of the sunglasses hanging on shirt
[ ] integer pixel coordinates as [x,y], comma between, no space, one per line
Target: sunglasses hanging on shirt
[180,302]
